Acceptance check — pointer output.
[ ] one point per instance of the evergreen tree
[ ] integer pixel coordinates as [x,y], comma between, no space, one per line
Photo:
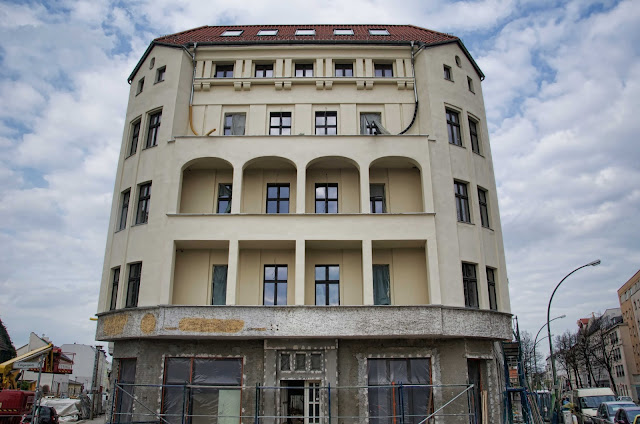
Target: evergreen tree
[7,351]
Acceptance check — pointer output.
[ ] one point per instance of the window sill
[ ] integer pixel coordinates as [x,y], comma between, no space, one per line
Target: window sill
[488,228]
[457,145]
[142,223]
[127,157]
[150,147]
[119,231]
[466,223]
[158,82]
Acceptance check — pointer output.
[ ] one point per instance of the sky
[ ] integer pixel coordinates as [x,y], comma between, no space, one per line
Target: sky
[562,83]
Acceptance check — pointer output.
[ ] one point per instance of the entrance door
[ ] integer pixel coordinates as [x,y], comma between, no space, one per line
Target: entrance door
[301,402]
[475,378]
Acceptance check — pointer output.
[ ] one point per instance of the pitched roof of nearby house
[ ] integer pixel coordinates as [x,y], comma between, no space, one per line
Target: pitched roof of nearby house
[322,34]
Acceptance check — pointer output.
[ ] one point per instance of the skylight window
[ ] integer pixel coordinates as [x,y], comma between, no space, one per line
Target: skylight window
[232,33]
[343,31]
[268,32]
[305,32]
[378,31]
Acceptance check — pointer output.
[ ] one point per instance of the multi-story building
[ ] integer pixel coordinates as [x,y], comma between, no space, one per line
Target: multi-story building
[629,296]
[306,215]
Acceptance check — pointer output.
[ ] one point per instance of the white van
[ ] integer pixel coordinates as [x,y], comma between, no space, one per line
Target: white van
[587,401]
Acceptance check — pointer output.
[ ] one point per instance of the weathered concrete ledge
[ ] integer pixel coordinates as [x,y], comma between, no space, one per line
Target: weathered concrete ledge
[245,322]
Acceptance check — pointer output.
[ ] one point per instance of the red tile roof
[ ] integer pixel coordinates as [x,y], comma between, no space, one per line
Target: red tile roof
[324,33]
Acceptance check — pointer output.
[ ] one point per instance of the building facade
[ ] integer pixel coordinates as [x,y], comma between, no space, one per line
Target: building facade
[305,222]
[629,296]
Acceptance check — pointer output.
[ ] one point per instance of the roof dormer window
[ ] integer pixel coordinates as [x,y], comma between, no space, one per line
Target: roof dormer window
[305,32]
[378,31]
[343,31]
[232,33]
[268,32]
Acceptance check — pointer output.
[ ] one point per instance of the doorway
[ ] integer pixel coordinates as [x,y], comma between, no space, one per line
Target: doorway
[301,402]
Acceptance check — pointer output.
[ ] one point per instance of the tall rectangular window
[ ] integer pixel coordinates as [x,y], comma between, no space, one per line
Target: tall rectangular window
[160,74]
[447,73]
[264,70]
[277,198]
[470,283]
[133,286]
[219,285]
[124,209]
[327,285]
[327,198]
[473,135]
[377,199]
[484,207]
[124,401]
[154,127]
[462,201]
[135,135]
[384,70]
[304,69]
[144,199]
[280,123]
[275,285]
[224,198]
[491,283]
[224,71]
[371,124]
[234,123]
[381,285]
[453,127]
[326,123]
[115,280]
[344,70]
[140,86]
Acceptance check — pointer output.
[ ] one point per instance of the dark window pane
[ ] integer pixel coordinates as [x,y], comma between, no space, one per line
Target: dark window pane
[282,293]
[272,192]
[269,293]
[333,192]
[320,273]
[320,207]
[285,362]
[272,207]
[316,364]
[282,273]
[284,207]
[269,273]
[300,361]
[334,272]
[284,192]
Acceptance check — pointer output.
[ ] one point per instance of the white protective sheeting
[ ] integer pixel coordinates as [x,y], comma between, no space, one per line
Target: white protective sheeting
[67,409]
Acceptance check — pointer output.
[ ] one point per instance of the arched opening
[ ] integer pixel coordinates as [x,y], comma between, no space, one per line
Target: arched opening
[206,186]
[395,185]
[332,186]
[269,186]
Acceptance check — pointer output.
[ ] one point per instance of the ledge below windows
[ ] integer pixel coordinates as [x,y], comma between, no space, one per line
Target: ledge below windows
[285,83]
[260,322]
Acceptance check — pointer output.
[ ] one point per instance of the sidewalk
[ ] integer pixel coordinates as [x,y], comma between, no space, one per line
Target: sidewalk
[100,419]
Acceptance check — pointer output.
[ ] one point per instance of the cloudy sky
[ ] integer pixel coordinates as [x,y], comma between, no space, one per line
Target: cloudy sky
[562,83]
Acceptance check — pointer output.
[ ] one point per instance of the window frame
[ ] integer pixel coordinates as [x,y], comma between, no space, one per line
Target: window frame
[133,284]
[267,32]
[280,127]
[276,281]
[378,31]
[125,201]
[327,282]
[342,31]
[306,69]
[453,127]
[491,288]
[470,85]
[461,192]
[155,120]
[263,67]
[224,70]
[232,33]
[140,86]
[473,136]
[470,285]
[448,73]
[144,200]
[305,32]
[326,198]
[483,204]
[136,126]
[229,125]
[278,199]
[224,198]
[343,67]
[384,69]
[325,115]
[376,199]
[160,74]
[115,282]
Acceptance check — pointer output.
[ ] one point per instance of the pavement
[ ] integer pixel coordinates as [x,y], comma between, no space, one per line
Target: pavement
[100,419]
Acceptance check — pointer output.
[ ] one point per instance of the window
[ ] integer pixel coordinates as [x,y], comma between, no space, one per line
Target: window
[458,62]
[219,285]
[278,198]
[385,404]
[484,208]
[344,70]
[133,288]
[160,74]
[326,123]
[305,32]
[453,127]
[224,71]
[327,285]
[224,198]
[264,70]
[140,86]
[447,73]
[304,69]
[232,33]
[327,198]
[124,209]
[275,285]
[383,70]
[376,198]
[268,32]
[124,401]
[135,135]
[371,124]
[343,31]
[154,127]
[115,280]
[470,85]
[473,135]
[234,123]
[280,123]
[144,197]
[380,31]
[381,285]
[491,283]
[462,201]
[470,283]
[215,397]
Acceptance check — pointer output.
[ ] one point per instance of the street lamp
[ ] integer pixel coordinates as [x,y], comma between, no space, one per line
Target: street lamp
[535,342]
[556,389]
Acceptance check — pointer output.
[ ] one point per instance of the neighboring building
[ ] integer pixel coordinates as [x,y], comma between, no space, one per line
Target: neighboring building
[54,379]
[629,295]
[84,363]
[288,221]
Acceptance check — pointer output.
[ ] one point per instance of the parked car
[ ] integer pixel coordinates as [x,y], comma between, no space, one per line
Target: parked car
[586,402]
[607,411]
[627,415]
[625,398]
[48,415]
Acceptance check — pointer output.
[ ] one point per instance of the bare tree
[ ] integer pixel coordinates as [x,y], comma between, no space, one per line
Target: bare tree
[600,351]
[566,354]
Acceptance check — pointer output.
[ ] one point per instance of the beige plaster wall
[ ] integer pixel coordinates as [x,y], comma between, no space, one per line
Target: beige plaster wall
[251,264]
[199,192]
[193,275]
[408,274]
[403,188]
[348,188]
[350,262]
[254,193]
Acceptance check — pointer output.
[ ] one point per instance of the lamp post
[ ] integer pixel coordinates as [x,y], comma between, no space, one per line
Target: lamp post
[556,389]
[535,342]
